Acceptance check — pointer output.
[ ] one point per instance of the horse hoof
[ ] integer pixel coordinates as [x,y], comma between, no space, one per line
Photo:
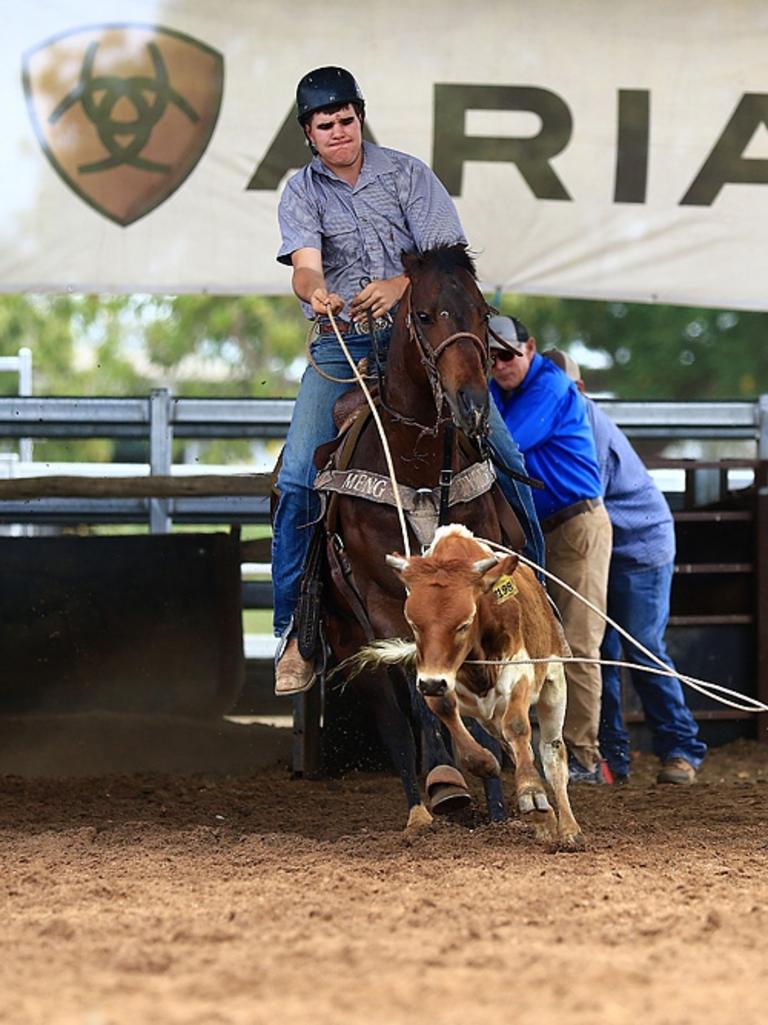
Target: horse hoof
[497,812]
[419,819]
[447,800]
[447,791]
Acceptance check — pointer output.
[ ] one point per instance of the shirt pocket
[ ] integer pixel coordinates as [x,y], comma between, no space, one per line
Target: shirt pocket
[341,239]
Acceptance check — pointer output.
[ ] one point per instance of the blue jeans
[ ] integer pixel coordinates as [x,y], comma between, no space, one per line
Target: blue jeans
[312,425]
[639,601]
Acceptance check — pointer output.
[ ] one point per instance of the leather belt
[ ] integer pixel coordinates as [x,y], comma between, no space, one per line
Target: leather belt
[353,327]
[563,515]
[325,327]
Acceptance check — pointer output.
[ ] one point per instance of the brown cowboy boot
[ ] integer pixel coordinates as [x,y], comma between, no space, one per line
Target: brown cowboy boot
[293,674]
[677,770]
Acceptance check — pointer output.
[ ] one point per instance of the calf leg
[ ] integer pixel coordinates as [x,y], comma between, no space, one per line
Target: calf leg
[516,731]
[476,759]
[551,713]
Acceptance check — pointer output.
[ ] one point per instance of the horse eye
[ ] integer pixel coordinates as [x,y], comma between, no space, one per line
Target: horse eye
[424,318]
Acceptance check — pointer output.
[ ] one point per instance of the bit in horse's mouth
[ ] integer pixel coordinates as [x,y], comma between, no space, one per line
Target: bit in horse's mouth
[469,417]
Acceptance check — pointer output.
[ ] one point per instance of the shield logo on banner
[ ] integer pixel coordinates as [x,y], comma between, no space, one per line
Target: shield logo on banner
[123,112]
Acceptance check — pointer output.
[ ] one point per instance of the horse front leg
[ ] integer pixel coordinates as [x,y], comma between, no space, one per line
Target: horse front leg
[446,787]
[494,791]
[397,736]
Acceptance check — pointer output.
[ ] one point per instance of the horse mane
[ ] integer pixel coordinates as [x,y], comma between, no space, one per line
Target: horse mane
[443,258]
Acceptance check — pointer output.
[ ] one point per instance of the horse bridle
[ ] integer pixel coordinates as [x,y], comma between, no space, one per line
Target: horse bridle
[429,356]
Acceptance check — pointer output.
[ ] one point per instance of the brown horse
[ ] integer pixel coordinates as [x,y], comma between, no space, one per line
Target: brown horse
[436,379]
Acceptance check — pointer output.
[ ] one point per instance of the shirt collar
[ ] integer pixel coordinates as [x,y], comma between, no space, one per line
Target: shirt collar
[375,162]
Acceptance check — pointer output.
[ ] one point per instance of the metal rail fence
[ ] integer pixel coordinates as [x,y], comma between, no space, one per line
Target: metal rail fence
[164,496]
[160,418]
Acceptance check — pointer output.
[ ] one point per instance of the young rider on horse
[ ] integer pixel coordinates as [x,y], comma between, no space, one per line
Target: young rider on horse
[345,219]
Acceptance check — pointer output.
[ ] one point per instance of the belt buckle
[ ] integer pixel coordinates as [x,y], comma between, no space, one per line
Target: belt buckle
[379,324]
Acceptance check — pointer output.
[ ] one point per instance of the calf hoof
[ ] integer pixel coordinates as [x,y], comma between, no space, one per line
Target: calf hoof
[568,840]
[447,791]
[532,800]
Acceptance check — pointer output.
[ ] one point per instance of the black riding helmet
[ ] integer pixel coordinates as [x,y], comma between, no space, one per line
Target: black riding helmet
[326,87]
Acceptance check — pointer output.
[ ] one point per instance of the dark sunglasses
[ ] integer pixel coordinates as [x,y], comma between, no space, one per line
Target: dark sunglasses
[502,355]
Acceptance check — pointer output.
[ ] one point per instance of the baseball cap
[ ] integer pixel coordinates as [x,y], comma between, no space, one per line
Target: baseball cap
[564,361]
[512,330]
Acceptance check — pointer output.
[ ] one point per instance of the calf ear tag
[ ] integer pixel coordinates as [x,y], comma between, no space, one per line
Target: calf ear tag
[504,588]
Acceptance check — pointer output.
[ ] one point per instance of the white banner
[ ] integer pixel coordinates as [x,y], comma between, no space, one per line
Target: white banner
[594,149]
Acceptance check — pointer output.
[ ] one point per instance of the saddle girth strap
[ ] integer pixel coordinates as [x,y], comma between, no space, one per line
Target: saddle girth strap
[344,581]
[446,475]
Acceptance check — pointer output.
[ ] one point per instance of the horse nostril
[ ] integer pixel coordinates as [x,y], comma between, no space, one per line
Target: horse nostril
[433,687]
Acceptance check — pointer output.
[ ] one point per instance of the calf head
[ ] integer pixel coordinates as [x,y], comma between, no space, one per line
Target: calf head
[442,609]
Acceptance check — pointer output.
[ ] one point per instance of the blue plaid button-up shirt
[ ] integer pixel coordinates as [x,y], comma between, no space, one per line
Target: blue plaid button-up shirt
[397,204]
[643,528]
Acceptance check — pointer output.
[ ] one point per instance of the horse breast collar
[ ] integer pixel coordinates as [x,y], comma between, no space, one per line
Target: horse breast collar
[421,505]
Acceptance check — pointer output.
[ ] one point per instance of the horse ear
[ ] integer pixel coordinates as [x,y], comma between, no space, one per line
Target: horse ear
[410,261]
[398,563]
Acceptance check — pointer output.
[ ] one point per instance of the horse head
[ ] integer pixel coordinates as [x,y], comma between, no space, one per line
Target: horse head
[446,316]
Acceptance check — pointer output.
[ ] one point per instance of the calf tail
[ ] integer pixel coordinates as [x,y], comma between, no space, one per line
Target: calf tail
[394,651]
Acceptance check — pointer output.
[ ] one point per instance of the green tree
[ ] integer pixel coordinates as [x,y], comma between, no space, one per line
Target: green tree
[655,352]
[253,345]
[225,345]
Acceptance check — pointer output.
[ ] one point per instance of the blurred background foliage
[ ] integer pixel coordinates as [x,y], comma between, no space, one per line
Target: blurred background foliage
[254,346]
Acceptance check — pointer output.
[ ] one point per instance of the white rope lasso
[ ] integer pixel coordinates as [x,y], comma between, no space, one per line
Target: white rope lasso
[753,706]
[379,426]
[744,702]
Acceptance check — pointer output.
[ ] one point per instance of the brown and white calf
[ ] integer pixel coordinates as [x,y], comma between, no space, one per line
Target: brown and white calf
[464,604]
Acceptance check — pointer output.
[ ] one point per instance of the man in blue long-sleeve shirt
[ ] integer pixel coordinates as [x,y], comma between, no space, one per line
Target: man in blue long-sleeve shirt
[639,586]
[545,415]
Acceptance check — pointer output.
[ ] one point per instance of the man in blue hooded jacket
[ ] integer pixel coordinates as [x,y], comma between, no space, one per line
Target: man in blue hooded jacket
[545,415]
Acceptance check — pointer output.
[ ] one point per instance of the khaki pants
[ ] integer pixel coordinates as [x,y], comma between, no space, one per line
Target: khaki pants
[579,552]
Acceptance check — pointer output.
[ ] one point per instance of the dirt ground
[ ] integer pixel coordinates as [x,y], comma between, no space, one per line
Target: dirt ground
[165,898]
